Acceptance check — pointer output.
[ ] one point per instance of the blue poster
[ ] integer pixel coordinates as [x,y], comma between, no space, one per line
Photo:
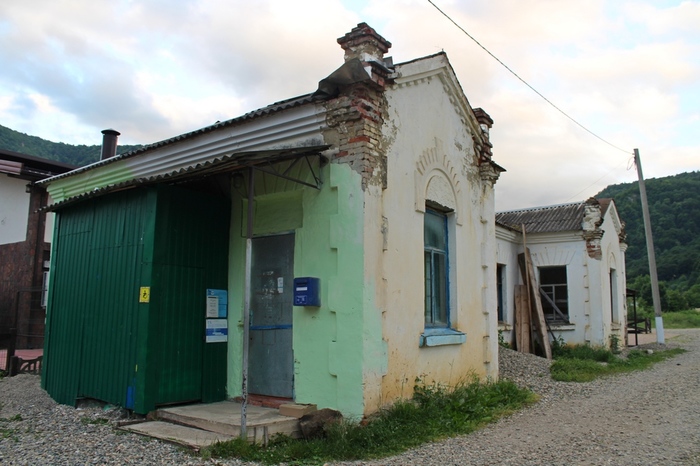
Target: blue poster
[217,304]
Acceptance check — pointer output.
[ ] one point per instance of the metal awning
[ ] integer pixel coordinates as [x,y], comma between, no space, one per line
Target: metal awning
[269,161]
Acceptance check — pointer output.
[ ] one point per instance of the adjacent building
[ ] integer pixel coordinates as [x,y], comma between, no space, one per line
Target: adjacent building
[578,254]
[25,244]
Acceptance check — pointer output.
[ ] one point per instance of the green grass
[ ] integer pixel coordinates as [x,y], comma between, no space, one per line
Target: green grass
[435,412]
[673,320]
[98,421]
[681,319]
[9,432]
[582,363]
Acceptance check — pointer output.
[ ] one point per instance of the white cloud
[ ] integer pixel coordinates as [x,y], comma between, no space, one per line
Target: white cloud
[155,69]
[681,18]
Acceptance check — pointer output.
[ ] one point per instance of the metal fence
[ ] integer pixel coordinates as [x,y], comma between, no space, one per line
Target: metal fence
[7,349]
[22,333]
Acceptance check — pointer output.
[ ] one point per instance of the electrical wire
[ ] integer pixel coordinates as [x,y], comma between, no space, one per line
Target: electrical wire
[525,82]
[596,181]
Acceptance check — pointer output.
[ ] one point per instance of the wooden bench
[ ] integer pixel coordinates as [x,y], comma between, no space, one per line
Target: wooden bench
[640,325]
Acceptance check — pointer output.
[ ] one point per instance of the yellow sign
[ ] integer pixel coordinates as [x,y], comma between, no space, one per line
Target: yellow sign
[145,294]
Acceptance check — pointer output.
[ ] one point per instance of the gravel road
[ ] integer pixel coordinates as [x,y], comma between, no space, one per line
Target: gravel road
[644,418]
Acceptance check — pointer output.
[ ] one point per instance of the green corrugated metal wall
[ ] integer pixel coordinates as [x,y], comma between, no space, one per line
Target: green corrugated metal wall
[101,342]
[190,255]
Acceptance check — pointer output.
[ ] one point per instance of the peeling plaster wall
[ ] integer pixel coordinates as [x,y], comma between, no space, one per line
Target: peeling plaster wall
[613,257]
[330,343]
[430,154]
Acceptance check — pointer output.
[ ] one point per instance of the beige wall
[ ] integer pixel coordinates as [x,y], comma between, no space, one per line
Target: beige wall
[431,156]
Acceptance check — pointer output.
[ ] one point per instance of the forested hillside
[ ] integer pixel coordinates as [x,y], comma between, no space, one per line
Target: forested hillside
[31,145]
[674,205]
[674,208]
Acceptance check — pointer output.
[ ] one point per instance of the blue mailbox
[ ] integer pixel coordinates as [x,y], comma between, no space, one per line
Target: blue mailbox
[307,291]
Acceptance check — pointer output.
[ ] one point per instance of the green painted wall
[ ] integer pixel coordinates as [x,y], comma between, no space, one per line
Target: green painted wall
[93,313]
[329,342]
[101,341]
[329,350]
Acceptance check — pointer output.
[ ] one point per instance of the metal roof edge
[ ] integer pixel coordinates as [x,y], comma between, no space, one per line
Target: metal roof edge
[546,207]
[263,111]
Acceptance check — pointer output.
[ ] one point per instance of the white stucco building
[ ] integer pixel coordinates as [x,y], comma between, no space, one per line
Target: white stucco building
[378,188]
[578,255]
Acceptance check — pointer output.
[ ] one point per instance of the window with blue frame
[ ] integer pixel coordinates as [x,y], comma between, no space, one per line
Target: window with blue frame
[436,263]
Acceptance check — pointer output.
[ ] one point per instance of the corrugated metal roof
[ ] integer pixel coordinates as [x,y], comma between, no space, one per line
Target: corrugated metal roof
[273,108]
[563,217]
[227,163]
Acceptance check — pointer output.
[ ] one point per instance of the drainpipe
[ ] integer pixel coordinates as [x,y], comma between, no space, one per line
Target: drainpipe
[246,306]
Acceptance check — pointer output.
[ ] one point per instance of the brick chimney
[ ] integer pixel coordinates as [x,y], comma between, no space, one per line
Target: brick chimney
[485,123]
[356,112]
[364,43]
[109,143]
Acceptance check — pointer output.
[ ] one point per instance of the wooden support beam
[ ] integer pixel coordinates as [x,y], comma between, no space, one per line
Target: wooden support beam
[522,320]
[528,272]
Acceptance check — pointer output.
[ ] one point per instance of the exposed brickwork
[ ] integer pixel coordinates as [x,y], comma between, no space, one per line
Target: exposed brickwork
[355,117]
[484,147]
[592,233]
[363,41]
[21,267]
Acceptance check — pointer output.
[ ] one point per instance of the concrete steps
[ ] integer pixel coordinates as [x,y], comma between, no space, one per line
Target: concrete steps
[197,426]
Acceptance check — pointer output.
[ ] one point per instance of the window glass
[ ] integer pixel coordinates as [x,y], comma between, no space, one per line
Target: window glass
[555,299]
[435,269]
[435,230]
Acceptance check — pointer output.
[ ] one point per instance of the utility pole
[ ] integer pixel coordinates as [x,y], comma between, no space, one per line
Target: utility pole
[656,297]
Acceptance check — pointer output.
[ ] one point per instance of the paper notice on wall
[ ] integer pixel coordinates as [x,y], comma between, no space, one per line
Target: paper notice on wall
[217,304]
[212,307]
[217,331]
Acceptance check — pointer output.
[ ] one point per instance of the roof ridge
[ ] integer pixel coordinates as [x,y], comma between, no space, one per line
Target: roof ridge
[553,206]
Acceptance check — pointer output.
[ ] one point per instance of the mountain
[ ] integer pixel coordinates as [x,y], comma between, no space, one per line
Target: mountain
[674,209]
[31,145]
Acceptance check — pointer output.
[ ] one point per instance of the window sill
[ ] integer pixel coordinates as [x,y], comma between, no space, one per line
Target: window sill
[441,337]
[504,326]
[562,327]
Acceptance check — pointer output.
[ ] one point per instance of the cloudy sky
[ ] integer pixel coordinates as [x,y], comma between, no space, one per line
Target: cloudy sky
[629,71]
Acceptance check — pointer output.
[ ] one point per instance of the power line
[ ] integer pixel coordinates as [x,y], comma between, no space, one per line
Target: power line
[596,181]
[525,82]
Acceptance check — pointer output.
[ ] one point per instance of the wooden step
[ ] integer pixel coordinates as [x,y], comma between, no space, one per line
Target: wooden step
[183,435]
[225,418]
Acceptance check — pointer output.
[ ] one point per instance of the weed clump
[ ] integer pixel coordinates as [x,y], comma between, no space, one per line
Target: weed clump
[583,363]
[434,412]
